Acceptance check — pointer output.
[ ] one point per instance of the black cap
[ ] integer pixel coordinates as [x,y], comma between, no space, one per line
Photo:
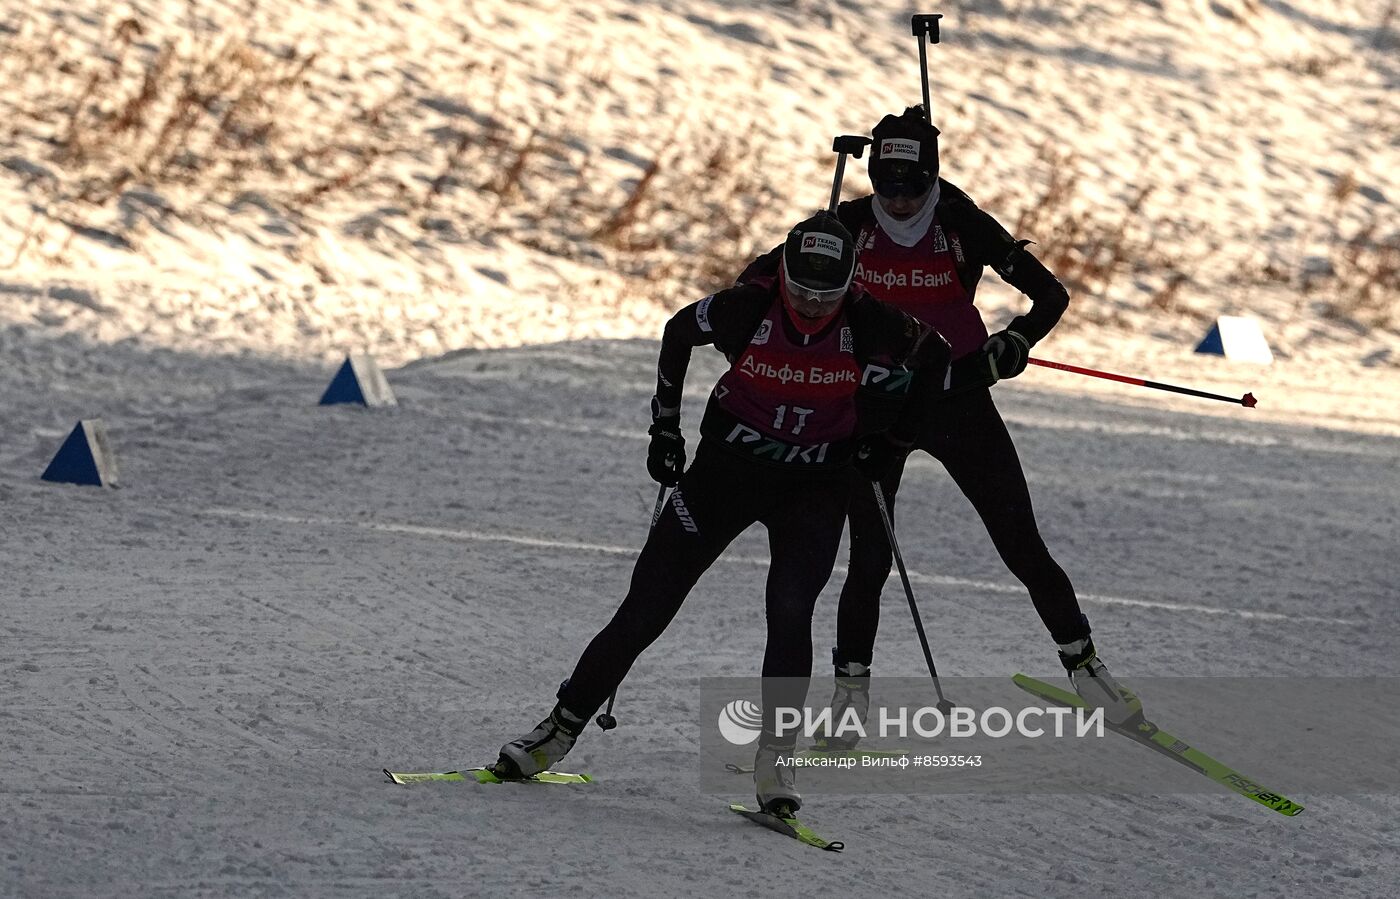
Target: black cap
[819,253]
[906,149]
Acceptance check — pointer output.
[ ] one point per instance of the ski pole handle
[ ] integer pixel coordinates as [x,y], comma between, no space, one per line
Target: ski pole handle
[926,25]
[921,26]
[843,146]
[854,144]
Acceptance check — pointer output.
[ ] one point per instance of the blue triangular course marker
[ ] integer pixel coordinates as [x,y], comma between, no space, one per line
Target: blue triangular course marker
[360,381]
[85,457]
[343,388]
[1212,342]
[1238,338]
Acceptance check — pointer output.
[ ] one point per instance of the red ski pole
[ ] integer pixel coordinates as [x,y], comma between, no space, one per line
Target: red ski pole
[1248,400]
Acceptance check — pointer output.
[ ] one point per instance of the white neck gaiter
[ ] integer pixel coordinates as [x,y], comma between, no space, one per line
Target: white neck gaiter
[911,230]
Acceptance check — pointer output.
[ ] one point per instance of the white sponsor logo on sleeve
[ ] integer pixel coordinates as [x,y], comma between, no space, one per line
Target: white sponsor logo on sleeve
[702,314]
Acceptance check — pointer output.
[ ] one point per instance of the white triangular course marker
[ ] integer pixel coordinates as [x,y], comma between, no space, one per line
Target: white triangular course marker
[1237,338]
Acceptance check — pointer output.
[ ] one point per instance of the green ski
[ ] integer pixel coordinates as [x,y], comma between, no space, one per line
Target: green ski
[484,776]
[788,826]
[1154,738]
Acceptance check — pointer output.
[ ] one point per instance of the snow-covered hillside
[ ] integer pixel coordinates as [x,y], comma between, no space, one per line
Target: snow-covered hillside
[304,177]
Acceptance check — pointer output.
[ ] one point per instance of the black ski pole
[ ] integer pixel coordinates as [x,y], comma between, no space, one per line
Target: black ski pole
[925,25]
[846,144]
[944,705]
[606,721]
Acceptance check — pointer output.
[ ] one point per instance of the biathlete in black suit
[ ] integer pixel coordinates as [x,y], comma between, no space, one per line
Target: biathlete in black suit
[922,246]
[775,446]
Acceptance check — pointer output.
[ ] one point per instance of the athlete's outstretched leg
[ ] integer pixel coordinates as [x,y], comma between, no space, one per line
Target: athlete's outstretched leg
[971,440]
[982,459]
[804,534]
[702,516]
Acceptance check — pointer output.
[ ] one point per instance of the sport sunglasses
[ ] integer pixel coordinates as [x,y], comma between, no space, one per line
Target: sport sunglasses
[911,187]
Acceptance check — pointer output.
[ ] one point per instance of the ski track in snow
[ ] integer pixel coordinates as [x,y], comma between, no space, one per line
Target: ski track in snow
[206,670]
[730,558]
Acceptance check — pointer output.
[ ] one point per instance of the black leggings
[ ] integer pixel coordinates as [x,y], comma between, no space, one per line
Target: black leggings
[964,432]
[717,498]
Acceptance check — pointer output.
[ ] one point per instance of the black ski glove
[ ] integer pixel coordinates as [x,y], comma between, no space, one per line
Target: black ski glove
[1007,352]
[876,455]
[666,454]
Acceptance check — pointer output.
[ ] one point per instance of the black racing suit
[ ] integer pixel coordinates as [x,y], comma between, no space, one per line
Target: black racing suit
[796,488]
[936,281]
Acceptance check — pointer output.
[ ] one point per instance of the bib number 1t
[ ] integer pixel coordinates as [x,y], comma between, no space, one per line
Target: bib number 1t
[780,419]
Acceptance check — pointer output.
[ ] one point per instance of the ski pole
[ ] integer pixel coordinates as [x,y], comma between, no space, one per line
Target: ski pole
[925,25]
[1248,400]
[944,705]
[606,721]
[846,144]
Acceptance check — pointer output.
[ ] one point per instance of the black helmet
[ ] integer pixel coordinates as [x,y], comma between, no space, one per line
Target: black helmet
[819,260]
[904,158]
[819,253]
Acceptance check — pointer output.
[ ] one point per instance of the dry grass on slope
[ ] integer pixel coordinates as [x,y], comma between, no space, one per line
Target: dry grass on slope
[192,121]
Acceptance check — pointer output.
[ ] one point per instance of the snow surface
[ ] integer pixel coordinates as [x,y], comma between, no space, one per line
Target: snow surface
[206,670]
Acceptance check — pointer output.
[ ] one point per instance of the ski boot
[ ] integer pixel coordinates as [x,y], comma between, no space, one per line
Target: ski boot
[1096,686]
[852,692]
[541,748]
[775,784]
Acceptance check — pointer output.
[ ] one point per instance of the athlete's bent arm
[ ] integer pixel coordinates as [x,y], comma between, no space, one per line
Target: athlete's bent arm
[988,243]
[726,319]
